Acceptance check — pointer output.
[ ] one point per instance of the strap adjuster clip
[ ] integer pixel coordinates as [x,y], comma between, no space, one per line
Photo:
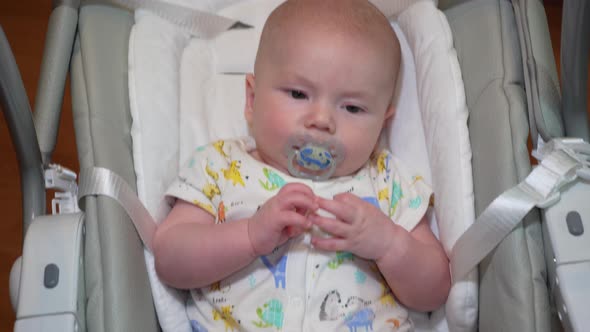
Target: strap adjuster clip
[63,181]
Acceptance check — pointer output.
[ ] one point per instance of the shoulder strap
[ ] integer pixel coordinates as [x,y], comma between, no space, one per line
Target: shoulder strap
[562,162]
[208,25]
[198,23]
[101,181]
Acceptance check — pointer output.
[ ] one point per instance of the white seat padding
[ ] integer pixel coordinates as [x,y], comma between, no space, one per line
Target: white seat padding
[185,92]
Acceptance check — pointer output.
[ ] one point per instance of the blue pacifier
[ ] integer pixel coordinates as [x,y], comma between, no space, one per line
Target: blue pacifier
[313,159]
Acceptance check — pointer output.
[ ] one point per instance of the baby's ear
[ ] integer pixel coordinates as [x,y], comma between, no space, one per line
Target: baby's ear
[390,111]
[250,93]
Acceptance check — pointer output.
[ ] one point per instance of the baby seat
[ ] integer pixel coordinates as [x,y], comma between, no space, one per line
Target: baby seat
[510,83]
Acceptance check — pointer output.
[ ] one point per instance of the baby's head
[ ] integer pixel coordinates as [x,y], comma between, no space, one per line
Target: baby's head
[325,70]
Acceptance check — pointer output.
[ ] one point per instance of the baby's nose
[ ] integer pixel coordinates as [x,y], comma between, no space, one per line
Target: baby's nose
[321,118]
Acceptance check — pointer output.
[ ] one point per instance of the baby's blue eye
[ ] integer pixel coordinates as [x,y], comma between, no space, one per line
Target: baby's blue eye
[353,109]
[296,94]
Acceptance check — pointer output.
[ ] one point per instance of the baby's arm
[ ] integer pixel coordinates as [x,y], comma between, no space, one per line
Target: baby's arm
[416,267]
[191,251]
[414,263]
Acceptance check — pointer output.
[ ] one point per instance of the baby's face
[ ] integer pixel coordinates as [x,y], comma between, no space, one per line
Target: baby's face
[328,86]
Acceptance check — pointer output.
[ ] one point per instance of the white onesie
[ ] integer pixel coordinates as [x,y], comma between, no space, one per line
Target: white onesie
[296,287]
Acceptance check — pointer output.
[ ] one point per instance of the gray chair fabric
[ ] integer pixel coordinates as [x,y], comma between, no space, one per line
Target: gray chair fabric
[446,4]
[513,290]
[117,285]
[575,47]
[541,81]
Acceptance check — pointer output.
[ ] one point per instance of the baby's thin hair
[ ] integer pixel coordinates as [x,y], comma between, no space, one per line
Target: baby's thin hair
[357,17]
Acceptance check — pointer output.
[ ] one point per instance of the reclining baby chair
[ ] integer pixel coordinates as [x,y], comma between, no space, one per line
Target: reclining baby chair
[87,270]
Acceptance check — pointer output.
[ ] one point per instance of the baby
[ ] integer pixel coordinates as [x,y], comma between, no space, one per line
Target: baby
[307,225]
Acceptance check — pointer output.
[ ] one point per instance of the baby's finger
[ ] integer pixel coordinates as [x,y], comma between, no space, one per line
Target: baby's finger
[334,227]
[296,187]
[297,201]
[340,210]
[292,219]
[293,231]
[329,244]
[348,198]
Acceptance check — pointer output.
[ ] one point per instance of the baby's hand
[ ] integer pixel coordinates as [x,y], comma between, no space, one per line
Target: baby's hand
[283,216]
[358,227]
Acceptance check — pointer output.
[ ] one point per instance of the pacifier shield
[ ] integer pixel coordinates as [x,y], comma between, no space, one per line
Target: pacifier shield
[313,160]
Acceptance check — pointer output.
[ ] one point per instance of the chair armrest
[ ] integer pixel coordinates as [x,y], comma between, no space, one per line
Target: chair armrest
[567,227]
[51,290]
